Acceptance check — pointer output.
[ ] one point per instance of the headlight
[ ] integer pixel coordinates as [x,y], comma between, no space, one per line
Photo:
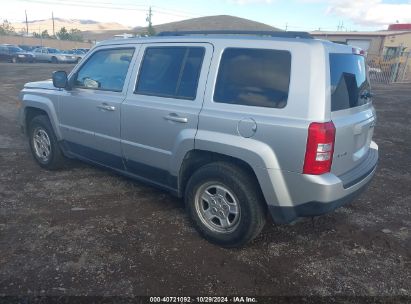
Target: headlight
[21,56]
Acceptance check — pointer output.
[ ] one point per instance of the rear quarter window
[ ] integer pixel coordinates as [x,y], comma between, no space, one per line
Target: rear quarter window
[253,77]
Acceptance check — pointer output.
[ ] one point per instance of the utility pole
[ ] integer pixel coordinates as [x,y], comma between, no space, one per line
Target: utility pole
[52,17]
[27,23]
[286,26]
[150,29]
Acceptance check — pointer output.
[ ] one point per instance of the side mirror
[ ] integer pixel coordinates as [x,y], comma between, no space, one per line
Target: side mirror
[60,79]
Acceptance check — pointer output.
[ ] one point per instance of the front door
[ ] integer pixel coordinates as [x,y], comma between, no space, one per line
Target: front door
[160,118]
[90,112]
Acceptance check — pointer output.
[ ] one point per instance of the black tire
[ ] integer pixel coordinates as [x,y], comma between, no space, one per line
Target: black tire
[55,159]
[54,60]
[252,213]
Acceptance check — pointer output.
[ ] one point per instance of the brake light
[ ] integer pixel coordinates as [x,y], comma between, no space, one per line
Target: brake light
[320,148]
[357,51]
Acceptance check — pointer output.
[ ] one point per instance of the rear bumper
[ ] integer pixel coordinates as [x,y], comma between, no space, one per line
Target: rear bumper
[310,195]
[67,60]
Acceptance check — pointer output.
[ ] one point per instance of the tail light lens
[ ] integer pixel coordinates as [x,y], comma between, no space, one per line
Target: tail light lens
[320,148]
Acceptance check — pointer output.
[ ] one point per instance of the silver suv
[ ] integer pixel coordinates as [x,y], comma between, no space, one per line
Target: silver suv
[240,125]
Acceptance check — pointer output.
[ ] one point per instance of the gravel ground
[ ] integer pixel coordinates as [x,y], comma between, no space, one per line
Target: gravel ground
[87,231]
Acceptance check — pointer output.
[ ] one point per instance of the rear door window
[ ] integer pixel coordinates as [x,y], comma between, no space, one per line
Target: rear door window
[170,72]
[349,83]
[254,77]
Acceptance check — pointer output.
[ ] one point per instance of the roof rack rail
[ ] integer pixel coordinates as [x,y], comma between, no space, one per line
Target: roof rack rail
[233,32]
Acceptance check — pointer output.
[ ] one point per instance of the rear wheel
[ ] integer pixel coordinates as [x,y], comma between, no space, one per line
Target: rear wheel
[44,145]
[225,204]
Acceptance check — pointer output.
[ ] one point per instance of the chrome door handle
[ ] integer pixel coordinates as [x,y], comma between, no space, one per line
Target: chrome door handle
[176,118]
[106,107]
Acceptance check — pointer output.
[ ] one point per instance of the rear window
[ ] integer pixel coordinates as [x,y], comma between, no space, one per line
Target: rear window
[253,77]
[348,81]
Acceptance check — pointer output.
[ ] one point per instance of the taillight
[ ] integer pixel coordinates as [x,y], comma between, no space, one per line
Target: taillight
[320,148]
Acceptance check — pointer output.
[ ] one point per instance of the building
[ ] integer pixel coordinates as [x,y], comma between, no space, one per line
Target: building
[374,43]
[388,52]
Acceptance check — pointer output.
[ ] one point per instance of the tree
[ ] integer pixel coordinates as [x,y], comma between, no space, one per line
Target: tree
[62,34]
[6,28]
[45,34]
[73,34]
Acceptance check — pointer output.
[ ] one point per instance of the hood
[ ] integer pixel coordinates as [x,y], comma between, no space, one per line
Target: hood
[45,84]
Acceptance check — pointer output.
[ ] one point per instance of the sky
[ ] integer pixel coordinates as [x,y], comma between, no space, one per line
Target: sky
[297,15]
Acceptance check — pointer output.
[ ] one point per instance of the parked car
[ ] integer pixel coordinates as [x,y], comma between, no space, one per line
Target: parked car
[77,52]
[84,50]
[46,54]
[12,53]
[237,125]
[28,48]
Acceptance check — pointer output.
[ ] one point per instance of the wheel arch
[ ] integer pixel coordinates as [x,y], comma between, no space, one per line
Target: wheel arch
[41,107]
[195,159]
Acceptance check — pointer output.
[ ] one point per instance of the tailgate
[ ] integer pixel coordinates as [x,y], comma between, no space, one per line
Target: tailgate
[353,137]
[351,111]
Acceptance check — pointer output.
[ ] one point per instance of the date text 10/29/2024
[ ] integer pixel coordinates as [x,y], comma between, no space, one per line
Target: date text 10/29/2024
[234,299]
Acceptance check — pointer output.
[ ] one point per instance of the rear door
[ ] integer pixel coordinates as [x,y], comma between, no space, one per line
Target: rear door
[160,115]
[351,110]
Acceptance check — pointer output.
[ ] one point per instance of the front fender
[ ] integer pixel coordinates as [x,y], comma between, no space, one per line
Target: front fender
[32,100]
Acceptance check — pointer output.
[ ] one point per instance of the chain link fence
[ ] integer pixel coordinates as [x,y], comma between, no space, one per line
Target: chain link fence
[389,68]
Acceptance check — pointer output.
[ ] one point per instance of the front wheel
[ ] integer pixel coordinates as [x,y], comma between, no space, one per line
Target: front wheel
[44,145]
[14,60]
[225,204]
[54,60]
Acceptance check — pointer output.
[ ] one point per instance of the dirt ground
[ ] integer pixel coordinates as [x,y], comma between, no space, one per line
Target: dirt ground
[87,231]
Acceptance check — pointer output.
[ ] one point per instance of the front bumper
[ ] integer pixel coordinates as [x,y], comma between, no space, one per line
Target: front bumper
[312,195]
[25,59]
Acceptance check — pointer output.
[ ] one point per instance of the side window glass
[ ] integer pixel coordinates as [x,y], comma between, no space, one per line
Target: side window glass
[105,70]
[170,72]
[253,77]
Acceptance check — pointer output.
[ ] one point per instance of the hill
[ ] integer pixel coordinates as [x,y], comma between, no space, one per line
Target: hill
[83,25]
[219,22]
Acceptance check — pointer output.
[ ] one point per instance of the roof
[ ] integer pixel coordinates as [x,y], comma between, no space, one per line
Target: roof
[375,33]
[209,39]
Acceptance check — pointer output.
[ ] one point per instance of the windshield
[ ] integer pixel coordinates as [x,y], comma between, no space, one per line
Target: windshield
[349,83]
